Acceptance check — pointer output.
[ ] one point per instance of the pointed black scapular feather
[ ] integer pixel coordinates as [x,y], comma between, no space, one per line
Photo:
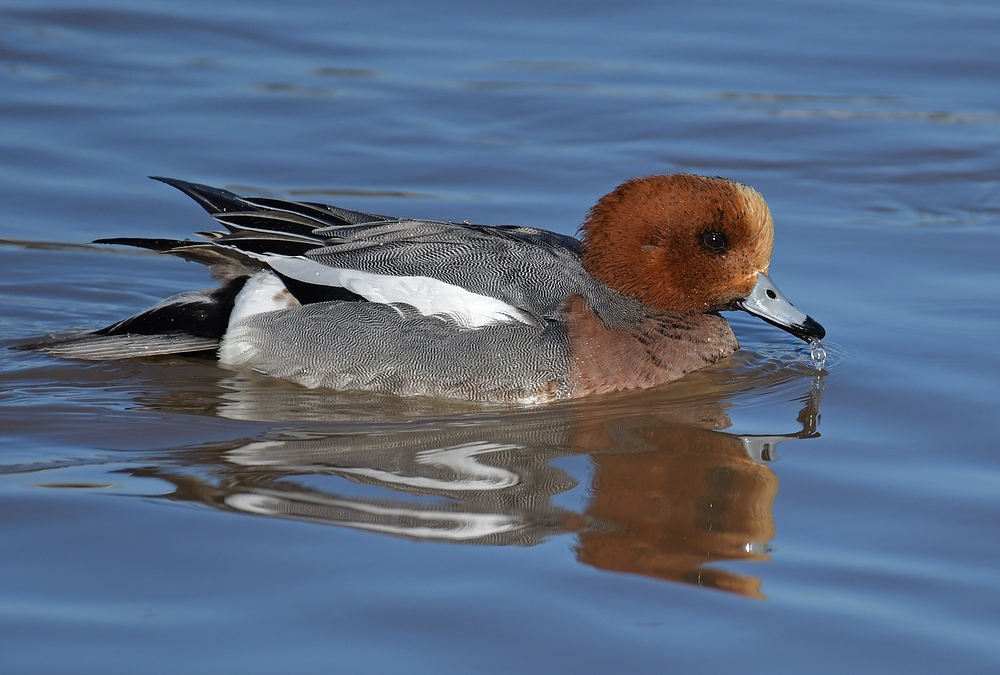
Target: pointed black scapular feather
[216,200]
[212,199]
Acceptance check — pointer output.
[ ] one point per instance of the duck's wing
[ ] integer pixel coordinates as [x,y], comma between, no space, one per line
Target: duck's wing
[531,270]
[324,252]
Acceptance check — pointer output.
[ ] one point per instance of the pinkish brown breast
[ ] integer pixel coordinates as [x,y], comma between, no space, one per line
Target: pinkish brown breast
[660,349]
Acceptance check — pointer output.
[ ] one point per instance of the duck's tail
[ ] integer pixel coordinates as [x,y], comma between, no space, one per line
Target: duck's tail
[187,323]
[255,228]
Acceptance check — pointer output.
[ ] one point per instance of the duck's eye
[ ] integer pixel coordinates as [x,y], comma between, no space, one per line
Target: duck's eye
[715,241]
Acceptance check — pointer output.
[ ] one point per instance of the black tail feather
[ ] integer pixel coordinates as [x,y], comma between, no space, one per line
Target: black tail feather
[202,314]
[161,245]
[183,324]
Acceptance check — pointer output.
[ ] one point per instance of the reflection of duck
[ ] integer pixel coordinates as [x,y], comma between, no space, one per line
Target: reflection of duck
[666,495]
[687,498]
[433,483]
[345,300]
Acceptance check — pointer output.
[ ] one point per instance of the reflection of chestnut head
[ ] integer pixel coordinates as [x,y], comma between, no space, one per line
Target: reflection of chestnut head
[692,497]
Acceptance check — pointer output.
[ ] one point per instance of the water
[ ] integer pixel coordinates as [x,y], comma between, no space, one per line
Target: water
[761,515]
[818,354]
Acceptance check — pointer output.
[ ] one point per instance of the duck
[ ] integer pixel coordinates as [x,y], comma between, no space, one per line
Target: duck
[329,297]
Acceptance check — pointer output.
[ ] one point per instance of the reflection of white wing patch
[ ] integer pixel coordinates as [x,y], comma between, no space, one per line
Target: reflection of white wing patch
[471,474]
[462,460]
[407,521]
[429,296]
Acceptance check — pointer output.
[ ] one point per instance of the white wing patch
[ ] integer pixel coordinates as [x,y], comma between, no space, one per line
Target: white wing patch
[428,295]
[263,292]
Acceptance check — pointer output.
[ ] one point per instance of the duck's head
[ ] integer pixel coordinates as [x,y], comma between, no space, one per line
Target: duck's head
[690,244]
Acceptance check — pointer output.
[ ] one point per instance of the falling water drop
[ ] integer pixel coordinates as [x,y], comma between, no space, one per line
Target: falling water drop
[817,354]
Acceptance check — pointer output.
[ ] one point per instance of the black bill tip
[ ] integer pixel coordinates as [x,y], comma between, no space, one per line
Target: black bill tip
[807,331]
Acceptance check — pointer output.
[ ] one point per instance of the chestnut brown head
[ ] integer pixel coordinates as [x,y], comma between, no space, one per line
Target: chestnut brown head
[683,243]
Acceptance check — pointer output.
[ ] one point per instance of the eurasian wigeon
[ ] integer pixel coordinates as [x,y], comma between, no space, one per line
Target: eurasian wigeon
[328,297]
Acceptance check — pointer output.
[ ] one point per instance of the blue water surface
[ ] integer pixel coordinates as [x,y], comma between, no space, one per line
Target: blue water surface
[167,515]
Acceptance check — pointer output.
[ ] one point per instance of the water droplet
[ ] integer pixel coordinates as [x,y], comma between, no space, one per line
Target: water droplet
[817,354]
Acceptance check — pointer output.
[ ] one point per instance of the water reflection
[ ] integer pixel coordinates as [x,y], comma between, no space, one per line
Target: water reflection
[667,494]
[682,497]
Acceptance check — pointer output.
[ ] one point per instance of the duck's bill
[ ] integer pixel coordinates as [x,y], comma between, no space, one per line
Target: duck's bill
[767,302]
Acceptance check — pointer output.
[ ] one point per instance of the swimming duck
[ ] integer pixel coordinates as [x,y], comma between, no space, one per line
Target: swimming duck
[329,297]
